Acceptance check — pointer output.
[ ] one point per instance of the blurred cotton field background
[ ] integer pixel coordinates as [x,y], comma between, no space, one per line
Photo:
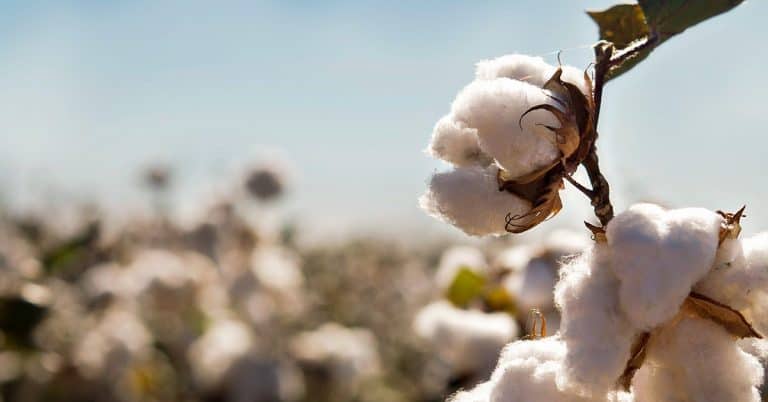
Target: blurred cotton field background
[220,307]
[207,202]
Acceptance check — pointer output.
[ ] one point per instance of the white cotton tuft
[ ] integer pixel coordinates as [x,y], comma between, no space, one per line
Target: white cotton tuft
[469,199]
[350,355]
[456,258]
[494,108]
[739,278]
[277,269]
[218,350]
[537,285]
[515,66]
[468,340]
[658,255]
[527,372]
[454,142]
[597,335]
[696,360]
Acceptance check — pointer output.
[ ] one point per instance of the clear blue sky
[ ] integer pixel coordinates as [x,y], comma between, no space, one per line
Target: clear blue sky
[349,91]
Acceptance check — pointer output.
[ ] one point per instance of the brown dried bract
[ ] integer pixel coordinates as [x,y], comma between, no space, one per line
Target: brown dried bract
[574,138]
[731,226]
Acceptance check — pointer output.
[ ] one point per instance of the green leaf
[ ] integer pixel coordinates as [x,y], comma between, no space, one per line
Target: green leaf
[621,24]
[466,286]
[499,299]
[670,17]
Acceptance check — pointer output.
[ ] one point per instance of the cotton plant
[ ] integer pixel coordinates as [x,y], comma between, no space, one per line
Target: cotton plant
[666,304]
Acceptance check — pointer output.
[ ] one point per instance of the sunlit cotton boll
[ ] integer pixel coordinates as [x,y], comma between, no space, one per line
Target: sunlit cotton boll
[223,344]
[468,340]
[494,108]
[350,355]
[594,329]
[658,255]
[457,258]
[696,360]
[469,198]
[527,372]
[454,142]
[739,278]
[531,69]
[277,268]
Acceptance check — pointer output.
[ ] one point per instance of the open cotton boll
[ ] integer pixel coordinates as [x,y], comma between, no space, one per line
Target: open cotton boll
[277,269]
[469,198]
[494,108]
[696,360]
[350,354]
[515,66]
[468,340]
[221,346]
[456,258]
[596,333]
[537,284]
[739,278]
[453,142]
[658,255]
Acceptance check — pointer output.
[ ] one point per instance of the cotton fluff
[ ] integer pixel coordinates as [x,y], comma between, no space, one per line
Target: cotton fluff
[696,360]
[468,340]
[533,70]
[454,142]
[739,278]
[277,269]
[349,354]
[596,333]
[527,372]
[658,255]
[218,350]
[469,198]
[456,258]
[494,109]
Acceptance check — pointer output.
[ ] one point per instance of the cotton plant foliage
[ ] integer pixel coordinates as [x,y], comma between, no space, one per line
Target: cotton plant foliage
[615,295]
[510,136]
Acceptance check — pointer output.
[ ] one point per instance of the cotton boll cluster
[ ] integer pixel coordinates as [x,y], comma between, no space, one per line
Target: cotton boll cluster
[495,130]
[631,291]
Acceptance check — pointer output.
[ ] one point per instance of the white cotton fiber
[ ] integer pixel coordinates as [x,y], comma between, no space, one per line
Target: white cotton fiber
[494,108]
[658,255]
[596,333]
[469,340]
[739,278]
[696,360]
[456,258]
[454,142]
[469,198]
[527,372]
[515,66]
[537,285]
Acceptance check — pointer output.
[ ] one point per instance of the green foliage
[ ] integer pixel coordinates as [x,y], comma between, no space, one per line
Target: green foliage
[643,27]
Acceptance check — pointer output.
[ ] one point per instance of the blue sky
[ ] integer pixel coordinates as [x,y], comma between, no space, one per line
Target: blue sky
[349,91]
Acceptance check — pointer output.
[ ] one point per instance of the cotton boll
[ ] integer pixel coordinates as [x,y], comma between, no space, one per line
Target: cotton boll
[350,355]
[223,344]
[469,199]
[457,258]
[696,360]
[494,108]
[596,333]
[530,69]
[277,269]
[468,340]
[480,393]
[537,285]
[453,142]
[739,278]
[658,256]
